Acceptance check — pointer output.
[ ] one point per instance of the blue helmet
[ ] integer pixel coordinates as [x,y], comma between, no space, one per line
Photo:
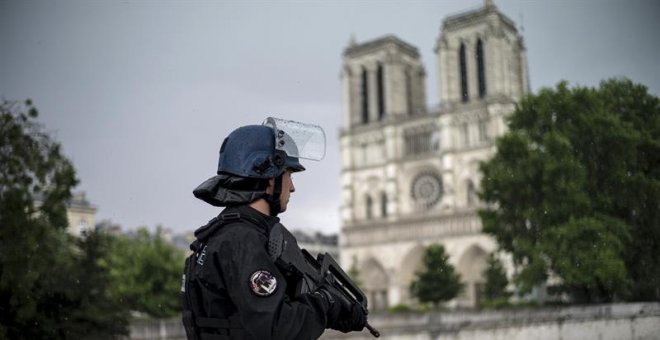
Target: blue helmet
[253,154]
[250,151]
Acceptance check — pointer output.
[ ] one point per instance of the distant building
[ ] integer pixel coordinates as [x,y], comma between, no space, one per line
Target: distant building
[317,243]
[183,240]
[109,227]
[410,175]
[81,214]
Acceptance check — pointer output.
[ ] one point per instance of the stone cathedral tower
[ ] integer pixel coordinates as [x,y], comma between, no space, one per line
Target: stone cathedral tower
[410,174]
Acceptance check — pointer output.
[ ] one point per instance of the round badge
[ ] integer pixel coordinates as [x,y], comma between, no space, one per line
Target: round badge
[263,283]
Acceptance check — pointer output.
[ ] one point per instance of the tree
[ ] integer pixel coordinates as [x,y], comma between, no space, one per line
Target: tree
[146,273]
[438,282]
[496,280]
[41,270]
[574,191]
[97,313]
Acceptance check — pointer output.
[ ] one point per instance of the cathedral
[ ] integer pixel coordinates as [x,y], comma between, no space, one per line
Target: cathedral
[410,174]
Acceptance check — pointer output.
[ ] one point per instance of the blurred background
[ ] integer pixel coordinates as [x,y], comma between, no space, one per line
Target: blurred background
[140,94]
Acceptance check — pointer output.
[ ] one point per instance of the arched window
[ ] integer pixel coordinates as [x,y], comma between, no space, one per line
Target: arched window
[481,71]
[364,96]
[483,130]
[368,206]
[383,204]
[471,194]
[380,75]
[463,71]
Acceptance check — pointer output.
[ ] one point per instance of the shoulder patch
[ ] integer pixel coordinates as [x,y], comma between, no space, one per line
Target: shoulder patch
[263,283]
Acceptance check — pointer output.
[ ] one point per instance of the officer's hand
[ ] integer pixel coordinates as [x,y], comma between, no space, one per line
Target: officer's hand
[351,319]
[342,315]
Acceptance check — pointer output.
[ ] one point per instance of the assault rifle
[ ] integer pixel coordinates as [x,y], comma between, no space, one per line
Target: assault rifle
[285,252]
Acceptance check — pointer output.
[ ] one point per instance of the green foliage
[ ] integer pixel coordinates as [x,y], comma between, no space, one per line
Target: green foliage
[597,269]
[497,303]
[575,191]
[438,282]
[45,276]
[496,281]
[97,313]
[146,273]
[401,308]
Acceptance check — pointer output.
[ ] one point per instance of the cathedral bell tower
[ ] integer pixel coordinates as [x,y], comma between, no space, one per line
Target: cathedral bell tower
[410,176]
[480,56]
[382,78]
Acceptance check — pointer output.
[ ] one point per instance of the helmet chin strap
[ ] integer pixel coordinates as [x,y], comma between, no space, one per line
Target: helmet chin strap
[274,199]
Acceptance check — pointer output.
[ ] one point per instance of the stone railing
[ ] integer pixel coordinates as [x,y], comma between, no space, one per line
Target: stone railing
[427,227]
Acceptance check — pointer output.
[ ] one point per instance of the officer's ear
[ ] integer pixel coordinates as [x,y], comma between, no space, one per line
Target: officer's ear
[271,186]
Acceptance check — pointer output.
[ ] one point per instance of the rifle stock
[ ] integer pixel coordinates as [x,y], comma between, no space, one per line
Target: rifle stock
[285,252]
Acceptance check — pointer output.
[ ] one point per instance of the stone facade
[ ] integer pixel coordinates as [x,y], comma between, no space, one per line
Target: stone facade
[80,213]
[410,174]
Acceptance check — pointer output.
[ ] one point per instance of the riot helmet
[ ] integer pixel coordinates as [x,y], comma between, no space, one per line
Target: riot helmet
[252,155]
[249,151]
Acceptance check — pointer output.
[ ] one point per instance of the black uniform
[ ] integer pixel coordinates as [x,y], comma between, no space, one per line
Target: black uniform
[241,291]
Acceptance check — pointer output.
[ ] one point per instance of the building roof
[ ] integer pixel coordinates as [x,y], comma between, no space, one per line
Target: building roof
[79,200]
[469,17]
[369,46]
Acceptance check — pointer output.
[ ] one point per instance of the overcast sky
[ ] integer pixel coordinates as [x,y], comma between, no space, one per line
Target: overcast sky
[142,93]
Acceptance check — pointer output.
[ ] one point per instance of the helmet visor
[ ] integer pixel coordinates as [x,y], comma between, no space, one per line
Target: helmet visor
[298,139]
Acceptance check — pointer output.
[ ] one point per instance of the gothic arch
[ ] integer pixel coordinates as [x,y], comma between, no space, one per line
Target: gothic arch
[481,68]
[463,73]
[368,207]
[380,90]
[364,95]
[471,198]
[368,195]
[410,264]
[376,282]
[471,266]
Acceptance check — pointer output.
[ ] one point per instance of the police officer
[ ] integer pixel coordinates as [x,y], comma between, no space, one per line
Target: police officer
[231,287]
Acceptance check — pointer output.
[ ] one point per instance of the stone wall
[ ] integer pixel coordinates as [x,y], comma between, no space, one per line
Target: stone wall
[613,321]
[145,329]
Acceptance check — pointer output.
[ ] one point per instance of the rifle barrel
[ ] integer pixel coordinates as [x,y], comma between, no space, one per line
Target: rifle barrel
[373,331]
